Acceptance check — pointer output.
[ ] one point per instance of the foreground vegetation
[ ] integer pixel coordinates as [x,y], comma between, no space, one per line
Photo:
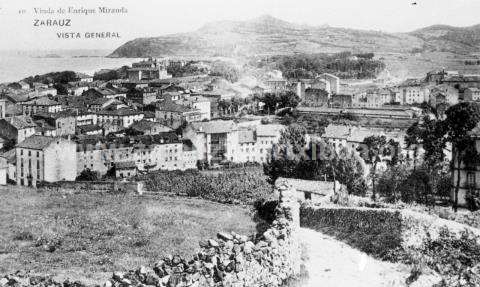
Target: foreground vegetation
[236,186]
[87,236]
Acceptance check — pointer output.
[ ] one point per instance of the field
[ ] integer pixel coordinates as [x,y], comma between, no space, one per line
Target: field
[87,236]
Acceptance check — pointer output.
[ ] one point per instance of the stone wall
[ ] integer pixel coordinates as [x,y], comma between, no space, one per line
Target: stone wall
[95,186]
[231,259]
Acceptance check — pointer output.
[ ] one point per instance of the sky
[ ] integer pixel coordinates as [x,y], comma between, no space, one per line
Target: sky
[159,17]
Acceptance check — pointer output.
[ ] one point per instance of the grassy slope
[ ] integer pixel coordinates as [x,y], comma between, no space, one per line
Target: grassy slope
[101,233]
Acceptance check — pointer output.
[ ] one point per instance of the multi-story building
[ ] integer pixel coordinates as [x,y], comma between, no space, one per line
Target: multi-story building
[224,141]
[16,129]
[199,103]
[157,152]
[212,139]
[63,122]
[469,173]
[41,105]
[443,94]
[333,82]
[48,159]
[174,115]
[471,94]
[414,92]
[148,70]
[125,116]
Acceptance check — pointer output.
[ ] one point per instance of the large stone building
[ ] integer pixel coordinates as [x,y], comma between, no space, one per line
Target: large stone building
[125,116]
[174,115]
[41,105]
[48,159]
[225,141]
[148,70]
[63,123]
[163,151]
[16,129]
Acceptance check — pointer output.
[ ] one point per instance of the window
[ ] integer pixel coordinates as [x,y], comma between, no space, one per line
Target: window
[471,179]
[308,195]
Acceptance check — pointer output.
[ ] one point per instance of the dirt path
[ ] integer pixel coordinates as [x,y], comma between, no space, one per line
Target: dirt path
[335,264]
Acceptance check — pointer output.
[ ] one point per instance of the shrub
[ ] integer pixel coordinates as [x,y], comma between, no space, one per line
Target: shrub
[234,186]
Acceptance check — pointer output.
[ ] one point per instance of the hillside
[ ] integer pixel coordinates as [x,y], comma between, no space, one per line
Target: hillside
[446,38]
[266,35]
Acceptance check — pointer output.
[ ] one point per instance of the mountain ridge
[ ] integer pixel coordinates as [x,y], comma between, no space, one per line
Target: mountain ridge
[266,35]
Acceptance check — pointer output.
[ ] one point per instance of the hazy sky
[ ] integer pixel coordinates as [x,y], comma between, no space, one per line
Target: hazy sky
[158,17]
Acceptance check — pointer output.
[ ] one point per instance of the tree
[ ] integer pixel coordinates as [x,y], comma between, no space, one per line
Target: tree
[288,99]
[317,161]
[461,119]
[375,147]
[87,175]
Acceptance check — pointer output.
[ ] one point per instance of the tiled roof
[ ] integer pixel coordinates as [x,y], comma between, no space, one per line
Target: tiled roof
[89,128]
[145,125]
[120,112]
[22,122]
[125,165]
[37,142]
[214,127]
[43,101]
[172,107]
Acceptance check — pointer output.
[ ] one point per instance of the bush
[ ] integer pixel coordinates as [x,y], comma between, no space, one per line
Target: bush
[235,186]
[453,257]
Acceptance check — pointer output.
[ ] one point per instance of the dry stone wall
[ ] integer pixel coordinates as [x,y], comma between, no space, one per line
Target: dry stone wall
[229,260]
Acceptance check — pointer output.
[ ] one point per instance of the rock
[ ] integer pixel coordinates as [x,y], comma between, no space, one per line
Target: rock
[248,247]
[142,270]
[203,243]
[118,276]
[225,236]
[168,259]
[3,282]
[213,243]
[241,238]
[261,244]
[107,283]
[152,279]
[176,260]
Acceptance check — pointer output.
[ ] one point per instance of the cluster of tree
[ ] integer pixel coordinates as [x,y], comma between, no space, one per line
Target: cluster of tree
[316,124]
[275,101]
[225,70]
[189,69]
[293,157]
[375,150]
[429,177]
[53,78]
[344,65]
[113,74]
[472,62]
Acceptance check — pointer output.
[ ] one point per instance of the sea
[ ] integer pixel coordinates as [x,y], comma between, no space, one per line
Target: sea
[17,65]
